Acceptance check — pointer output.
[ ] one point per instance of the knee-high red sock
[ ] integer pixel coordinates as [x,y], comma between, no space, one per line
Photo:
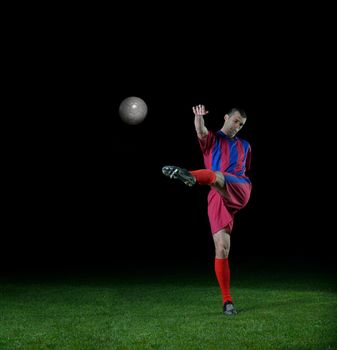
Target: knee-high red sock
[223,275]
[204,176]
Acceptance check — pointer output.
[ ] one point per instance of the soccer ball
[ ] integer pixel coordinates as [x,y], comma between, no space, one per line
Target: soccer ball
[133,110]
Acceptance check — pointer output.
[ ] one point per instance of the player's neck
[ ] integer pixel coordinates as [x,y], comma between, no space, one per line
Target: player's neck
[224,132]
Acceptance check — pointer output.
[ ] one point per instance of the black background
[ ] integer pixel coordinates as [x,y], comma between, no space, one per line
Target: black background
[85,190]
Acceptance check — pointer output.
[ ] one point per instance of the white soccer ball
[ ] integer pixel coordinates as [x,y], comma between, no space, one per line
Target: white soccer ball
[133,110]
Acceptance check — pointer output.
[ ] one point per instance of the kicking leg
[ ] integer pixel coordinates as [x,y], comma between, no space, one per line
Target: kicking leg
[174,172]
[203,177]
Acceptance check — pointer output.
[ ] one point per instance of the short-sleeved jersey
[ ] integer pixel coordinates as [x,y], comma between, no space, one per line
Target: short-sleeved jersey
[231,156]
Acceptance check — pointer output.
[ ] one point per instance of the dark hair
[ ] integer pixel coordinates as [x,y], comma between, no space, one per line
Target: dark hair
[237,109]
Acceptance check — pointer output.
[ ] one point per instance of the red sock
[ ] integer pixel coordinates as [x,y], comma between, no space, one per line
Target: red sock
[223,275]
[204,176]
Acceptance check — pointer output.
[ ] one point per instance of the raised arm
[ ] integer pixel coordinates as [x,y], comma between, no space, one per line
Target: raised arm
[199,122]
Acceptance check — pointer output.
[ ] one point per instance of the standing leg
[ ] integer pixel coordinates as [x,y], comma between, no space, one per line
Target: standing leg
[222,271]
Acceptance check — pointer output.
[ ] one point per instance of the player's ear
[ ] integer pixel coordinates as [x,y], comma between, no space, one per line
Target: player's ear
[226,117]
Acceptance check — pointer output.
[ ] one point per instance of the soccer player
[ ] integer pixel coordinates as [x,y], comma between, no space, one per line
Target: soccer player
[226,158]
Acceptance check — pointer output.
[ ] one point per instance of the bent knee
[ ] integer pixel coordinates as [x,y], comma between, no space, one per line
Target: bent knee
[222,252]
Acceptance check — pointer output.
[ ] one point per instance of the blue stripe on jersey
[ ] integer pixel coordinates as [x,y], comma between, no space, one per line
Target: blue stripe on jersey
[233,156]
[235,179]
[233,159]
[216,155]
[239,173]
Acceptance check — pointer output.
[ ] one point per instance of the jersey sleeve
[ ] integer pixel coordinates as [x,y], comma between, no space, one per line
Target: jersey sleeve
[207,143]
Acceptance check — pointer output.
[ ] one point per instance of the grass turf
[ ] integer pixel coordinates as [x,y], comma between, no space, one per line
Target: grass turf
[278,309]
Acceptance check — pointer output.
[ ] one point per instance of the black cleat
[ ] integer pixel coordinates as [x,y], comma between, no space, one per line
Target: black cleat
[229,309]
[174,172]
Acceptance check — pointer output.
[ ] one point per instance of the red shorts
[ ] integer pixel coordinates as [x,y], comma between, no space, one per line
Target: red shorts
[222,208]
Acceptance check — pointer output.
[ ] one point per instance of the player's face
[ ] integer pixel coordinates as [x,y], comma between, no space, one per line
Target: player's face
[233,124]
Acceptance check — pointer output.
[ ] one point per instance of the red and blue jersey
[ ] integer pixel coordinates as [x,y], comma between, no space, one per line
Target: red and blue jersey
[231,156]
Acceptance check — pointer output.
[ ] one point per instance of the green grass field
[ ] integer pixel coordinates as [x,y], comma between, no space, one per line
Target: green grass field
[279,308]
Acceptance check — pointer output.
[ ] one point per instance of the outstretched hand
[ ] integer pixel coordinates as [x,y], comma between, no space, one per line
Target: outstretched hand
[199,110]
